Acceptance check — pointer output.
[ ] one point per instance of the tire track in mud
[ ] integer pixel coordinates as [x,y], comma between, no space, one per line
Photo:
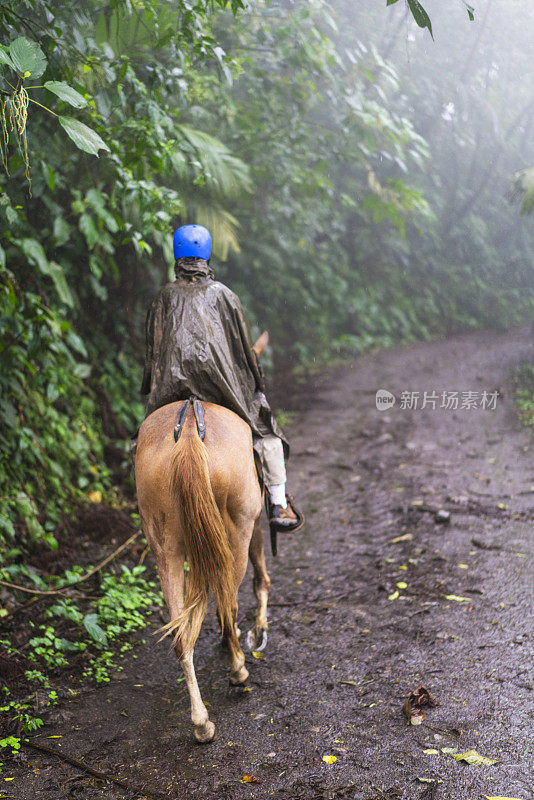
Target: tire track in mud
[344,650]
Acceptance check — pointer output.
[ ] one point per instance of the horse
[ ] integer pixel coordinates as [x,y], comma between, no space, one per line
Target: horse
[200,501]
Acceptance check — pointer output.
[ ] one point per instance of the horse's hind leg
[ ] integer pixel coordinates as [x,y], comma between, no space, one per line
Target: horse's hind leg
[240,535]
[204,727]
[257,637]
[171,575]
[238,671]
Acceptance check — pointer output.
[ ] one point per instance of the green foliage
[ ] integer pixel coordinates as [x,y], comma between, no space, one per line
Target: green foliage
[421,16]
[522,189]
[51,435]
[351,206]
[52,650]
[121,609]
[94,632]
[523,380]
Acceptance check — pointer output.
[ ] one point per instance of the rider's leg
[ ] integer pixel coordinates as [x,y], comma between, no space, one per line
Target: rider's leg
[274,469]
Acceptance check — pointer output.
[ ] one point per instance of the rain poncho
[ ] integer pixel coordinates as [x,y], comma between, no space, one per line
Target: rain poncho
[198,343]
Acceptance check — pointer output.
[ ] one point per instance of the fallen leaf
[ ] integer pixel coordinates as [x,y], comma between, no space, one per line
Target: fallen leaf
[257,654]
[457,598]
[329,759]
[404,538]
[502,506]
[394,595]
[431,752]
[417,502]
[413,705]
[449,750]
[250,779]
[349,683]
[429,780]
[501,798]
[95,497]
[421,697]
[472,757]
[402,585]
[414,715]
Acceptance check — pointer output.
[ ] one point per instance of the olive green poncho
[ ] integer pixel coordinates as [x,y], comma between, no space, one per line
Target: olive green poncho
[198,343]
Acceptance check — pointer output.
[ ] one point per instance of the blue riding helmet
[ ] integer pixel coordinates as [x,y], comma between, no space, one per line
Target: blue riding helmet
[192,240]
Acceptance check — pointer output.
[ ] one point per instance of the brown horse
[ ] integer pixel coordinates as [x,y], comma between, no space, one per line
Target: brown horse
[200,502]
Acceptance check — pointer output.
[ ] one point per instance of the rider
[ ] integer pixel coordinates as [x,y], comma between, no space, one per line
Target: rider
[198,343]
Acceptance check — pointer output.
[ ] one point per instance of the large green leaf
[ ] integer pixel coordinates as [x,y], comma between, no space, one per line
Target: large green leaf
[97,201]
[94,630]
[60,282]
[89,230]
[83,137]
[34,252]
[66,93]
[4,57]
[27,56]
[420,16]
[62,231]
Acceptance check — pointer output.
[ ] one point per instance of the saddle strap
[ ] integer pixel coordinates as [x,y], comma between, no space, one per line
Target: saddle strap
[198,410]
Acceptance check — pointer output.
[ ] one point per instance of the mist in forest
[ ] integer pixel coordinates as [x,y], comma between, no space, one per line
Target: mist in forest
[355,173]
[469,92]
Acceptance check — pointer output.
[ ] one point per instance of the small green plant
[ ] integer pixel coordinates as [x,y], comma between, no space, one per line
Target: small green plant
[52,649]
[523,380]
[284,417]
[13,742]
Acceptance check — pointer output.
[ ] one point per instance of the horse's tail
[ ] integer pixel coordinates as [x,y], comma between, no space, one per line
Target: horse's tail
[211,562]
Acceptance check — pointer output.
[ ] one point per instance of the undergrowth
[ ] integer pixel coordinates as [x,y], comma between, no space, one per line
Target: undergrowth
[85,636]
[523,381]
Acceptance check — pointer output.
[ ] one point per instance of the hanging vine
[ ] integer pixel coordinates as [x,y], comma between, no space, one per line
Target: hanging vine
[14,118]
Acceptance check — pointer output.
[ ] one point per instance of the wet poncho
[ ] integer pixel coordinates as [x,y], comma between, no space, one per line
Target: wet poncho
[198,343]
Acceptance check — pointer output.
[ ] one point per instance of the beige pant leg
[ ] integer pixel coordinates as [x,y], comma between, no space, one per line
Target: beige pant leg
[272,457]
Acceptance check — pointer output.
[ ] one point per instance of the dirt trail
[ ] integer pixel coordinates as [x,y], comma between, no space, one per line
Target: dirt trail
[344,651]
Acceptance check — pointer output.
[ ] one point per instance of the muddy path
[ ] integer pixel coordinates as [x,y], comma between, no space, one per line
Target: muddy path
[347,644]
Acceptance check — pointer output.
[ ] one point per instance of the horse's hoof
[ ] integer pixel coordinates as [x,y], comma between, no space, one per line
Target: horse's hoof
[257,639]
[239,678]
[205,733]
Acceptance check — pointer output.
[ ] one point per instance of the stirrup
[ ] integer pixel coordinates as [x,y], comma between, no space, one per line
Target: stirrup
[275,528]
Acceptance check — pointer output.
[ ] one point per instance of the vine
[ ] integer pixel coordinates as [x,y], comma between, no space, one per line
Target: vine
[17,102]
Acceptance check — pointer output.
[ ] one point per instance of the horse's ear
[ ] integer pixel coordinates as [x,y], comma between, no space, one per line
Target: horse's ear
[261,343]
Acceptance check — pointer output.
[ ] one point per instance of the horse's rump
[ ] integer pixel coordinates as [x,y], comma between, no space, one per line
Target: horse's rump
[208,487]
